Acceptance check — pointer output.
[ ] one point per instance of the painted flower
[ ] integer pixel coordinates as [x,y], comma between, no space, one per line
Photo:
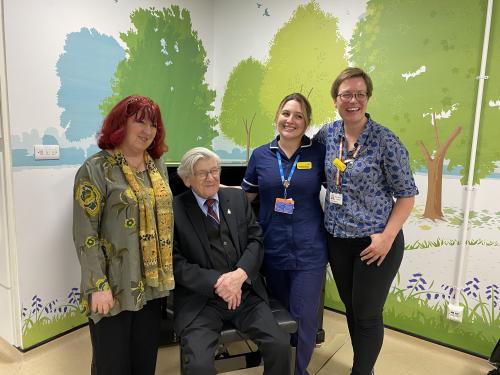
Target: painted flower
[90,241]
[130,223]
[89,197]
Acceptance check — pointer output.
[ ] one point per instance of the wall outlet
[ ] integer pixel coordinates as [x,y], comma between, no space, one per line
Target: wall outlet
[46,152]
[455,312]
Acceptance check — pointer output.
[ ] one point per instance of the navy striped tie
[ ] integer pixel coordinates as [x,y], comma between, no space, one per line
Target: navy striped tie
[210,211]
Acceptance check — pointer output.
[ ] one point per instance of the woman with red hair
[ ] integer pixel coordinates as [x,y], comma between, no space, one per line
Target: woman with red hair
[122,229]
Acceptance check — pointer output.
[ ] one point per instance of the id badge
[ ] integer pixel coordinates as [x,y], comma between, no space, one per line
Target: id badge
[285,206]
[336,198]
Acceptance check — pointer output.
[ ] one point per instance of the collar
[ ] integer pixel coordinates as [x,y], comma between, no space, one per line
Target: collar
[201,200]
[304,142]
[364,134]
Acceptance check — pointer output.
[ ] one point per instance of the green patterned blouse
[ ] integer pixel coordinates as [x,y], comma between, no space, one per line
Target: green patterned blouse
[106,234]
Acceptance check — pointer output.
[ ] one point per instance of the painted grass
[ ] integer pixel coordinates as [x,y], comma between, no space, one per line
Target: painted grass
[424,244]
[44,320]
[420,308]
[45,329]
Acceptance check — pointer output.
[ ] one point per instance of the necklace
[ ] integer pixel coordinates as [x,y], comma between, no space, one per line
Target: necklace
[138,166]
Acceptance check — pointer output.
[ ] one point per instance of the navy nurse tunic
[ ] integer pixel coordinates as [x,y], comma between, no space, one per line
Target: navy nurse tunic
[296,241]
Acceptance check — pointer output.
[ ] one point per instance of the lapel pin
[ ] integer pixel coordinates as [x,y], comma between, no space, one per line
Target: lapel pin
[228,211]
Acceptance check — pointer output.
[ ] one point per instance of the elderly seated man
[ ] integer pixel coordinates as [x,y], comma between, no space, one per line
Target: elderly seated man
[217,256]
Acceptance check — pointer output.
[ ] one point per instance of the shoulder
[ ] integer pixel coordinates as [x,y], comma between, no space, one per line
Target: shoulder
[261,150]
[98,159]
[229,192]
[183,196]
[95,164]
[317,146]
[385,135]
[327,129]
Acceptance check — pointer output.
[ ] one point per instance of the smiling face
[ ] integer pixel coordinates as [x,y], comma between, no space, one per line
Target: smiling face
[290,122]
[205,180]
[139,134]
[352,111]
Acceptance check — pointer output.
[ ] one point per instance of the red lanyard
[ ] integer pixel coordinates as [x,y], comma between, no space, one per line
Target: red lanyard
[341,148]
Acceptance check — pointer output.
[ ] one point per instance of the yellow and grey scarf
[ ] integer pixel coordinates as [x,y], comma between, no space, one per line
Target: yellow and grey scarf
[155,236]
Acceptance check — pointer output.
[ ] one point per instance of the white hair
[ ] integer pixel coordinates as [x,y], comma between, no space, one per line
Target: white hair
[190,158]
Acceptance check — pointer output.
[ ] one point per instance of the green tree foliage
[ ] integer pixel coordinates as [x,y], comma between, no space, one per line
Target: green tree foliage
[241,118]
[306,55]
[166,61]
[440,42]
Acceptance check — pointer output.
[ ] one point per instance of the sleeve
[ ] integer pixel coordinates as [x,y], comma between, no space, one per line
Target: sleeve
[250,182]
[397,168]
[253,255]
[88,203]
[191,275]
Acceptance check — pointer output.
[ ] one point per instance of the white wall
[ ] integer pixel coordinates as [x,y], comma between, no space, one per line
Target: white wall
[42,204]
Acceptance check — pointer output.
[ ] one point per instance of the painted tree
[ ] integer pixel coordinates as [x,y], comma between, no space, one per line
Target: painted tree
[422,61]
[166,61]
[85,69]
[306,54]
[241,118]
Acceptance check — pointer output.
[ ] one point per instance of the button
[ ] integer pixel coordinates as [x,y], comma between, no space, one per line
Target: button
[225,243]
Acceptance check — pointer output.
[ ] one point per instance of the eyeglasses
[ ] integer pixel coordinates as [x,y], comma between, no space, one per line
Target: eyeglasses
[203,175]
[347,96]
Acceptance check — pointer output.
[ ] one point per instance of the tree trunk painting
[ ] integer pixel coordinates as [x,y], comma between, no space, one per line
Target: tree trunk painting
[433,205]
[248,133]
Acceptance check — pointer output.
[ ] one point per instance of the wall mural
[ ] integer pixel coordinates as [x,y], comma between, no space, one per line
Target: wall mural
[423,56]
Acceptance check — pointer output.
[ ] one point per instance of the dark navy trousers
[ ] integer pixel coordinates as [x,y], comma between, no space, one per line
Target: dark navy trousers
[300,292]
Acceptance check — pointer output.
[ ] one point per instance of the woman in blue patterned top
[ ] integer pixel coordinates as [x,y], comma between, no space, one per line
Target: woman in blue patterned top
[287,174]
[371,193]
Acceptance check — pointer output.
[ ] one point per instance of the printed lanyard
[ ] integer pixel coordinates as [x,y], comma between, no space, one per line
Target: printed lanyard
[286,182]
[341,148]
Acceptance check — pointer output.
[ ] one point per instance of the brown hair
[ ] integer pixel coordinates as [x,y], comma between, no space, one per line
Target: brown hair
[351,73]
[304,104]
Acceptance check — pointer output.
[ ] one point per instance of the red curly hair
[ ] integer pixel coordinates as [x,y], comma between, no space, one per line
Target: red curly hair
[113,129]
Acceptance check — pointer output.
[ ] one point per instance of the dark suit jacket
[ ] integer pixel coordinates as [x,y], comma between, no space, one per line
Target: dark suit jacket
[193,270]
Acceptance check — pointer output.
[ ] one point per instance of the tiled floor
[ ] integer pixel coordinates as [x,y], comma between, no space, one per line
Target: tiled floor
[401,355]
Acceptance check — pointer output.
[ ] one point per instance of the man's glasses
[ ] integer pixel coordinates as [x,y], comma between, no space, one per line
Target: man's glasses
[347,96]
[203,175]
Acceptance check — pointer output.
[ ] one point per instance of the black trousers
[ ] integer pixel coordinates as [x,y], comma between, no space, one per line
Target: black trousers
[127,343]
[200,339]
[363,290]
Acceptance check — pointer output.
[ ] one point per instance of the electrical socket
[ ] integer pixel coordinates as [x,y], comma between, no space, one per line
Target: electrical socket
[455,312]
[46,152]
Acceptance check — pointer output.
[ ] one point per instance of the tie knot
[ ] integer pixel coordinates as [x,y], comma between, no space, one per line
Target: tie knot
[210,202]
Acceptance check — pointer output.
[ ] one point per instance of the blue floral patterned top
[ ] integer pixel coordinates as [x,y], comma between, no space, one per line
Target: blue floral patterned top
[378,173]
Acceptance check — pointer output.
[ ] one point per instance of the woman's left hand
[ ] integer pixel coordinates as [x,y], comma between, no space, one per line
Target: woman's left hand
[378,249]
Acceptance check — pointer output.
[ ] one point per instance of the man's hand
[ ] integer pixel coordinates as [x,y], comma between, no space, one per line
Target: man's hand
[228,287]
[102,302]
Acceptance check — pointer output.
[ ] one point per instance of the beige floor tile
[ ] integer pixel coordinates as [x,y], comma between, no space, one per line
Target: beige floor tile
[401,355]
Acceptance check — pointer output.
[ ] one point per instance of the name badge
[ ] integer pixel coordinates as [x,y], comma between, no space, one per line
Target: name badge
[285,206]
[336,198]
[304,165]
[339,164]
